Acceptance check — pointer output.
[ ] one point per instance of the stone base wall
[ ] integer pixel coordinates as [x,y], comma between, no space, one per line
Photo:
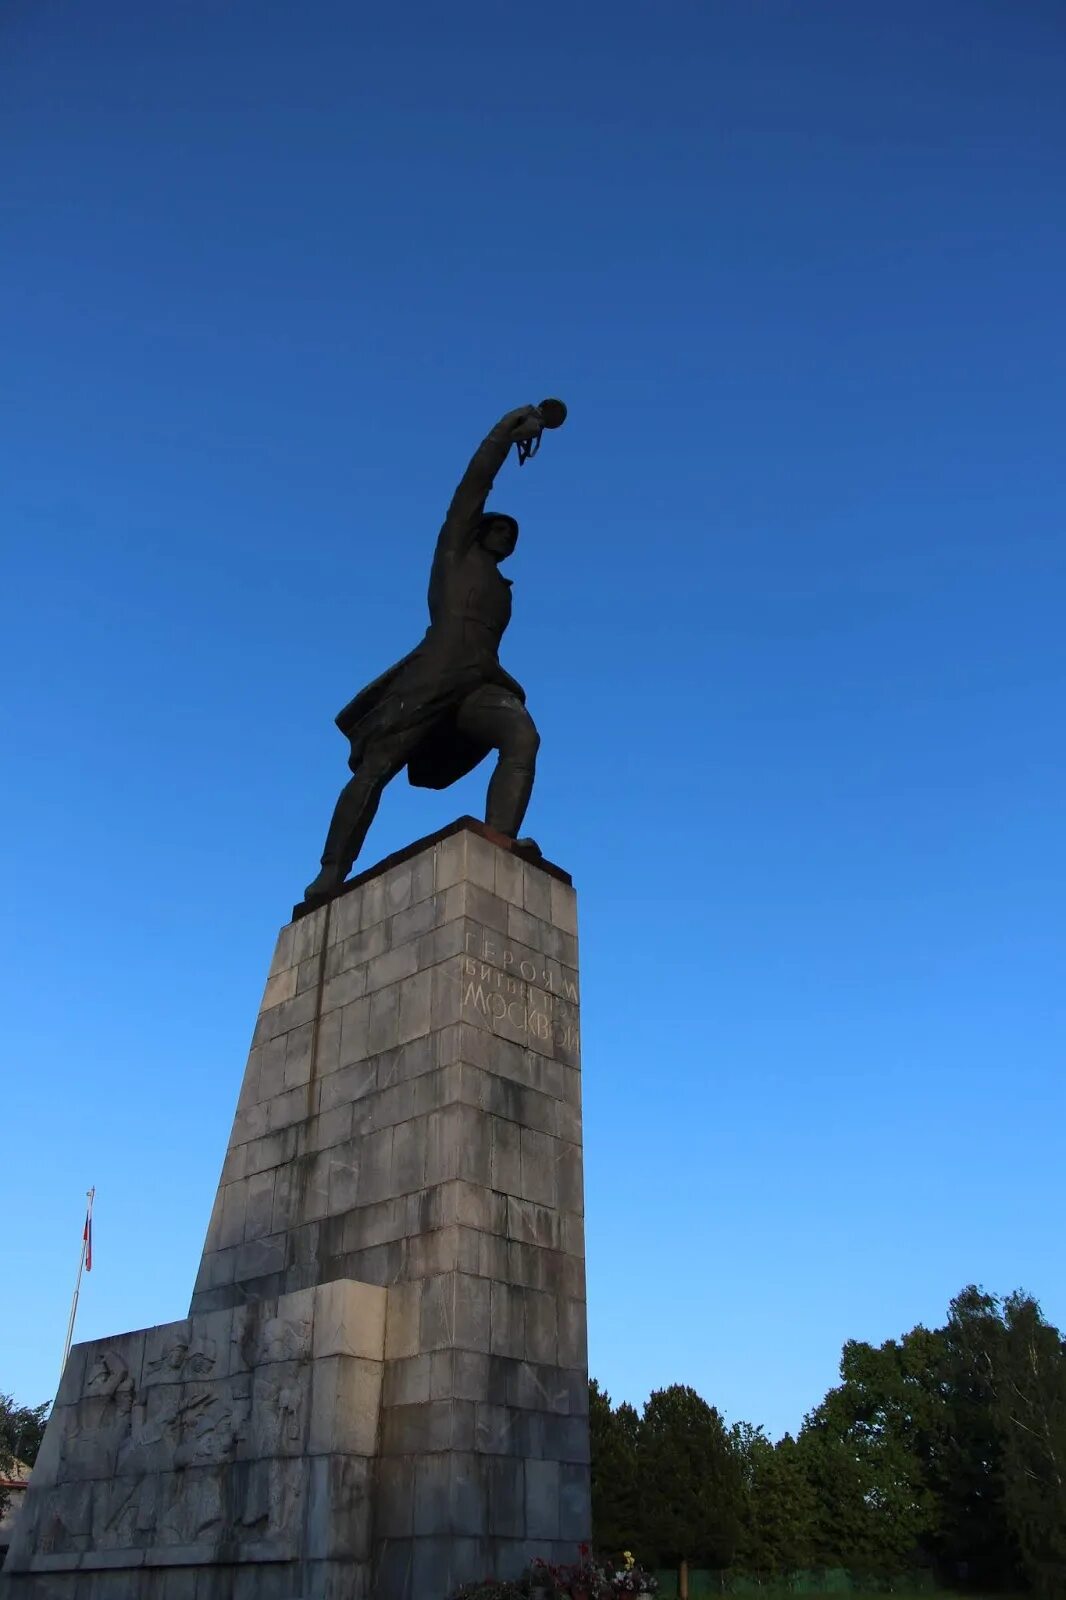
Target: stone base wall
[228,1454]
[409,1127]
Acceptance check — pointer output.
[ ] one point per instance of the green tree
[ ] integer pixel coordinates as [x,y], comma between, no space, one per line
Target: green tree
[615,1505]
[21,1432]
[690,1481]
[779,1505]
[966,1454]
[1030,1401]
[947,1446]
[864,1451]
[1014,1365]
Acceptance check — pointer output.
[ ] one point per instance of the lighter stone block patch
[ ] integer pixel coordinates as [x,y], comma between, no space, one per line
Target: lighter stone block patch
[350,1320]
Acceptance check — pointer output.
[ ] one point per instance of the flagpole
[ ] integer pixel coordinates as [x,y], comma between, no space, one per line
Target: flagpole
[85,1237]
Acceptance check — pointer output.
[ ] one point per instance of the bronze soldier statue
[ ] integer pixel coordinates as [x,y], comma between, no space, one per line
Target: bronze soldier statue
[440,710]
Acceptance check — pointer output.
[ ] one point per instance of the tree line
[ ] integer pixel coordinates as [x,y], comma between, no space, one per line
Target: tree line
[943,1450]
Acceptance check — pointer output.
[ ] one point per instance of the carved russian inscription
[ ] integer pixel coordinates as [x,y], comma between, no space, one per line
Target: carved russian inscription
[519,993]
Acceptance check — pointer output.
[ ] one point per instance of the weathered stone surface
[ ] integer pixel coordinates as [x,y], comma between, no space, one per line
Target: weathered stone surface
[242,1435]
[346,1401]
[381,1387]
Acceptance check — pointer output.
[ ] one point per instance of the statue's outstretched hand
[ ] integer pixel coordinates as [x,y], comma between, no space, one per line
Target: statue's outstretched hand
[523,423]
[526,424]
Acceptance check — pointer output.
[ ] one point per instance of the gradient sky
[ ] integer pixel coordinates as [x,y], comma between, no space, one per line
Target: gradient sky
[789,606]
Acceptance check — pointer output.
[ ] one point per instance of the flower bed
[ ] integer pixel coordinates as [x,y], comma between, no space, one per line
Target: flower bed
[589,1578]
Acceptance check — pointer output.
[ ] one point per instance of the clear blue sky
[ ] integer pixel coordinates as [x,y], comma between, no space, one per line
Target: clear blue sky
[789,606]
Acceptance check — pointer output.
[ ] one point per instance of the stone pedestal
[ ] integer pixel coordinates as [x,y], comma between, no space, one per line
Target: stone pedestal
[381,1389]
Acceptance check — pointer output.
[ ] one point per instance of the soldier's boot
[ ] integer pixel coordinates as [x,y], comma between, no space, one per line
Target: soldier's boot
[356,806]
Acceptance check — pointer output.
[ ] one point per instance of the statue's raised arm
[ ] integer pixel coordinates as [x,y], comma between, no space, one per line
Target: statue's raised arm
[521,427]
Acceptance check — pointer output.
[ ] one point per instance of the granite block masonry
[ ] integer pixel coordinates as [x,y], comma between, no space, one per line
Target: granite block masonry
[381,1387]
